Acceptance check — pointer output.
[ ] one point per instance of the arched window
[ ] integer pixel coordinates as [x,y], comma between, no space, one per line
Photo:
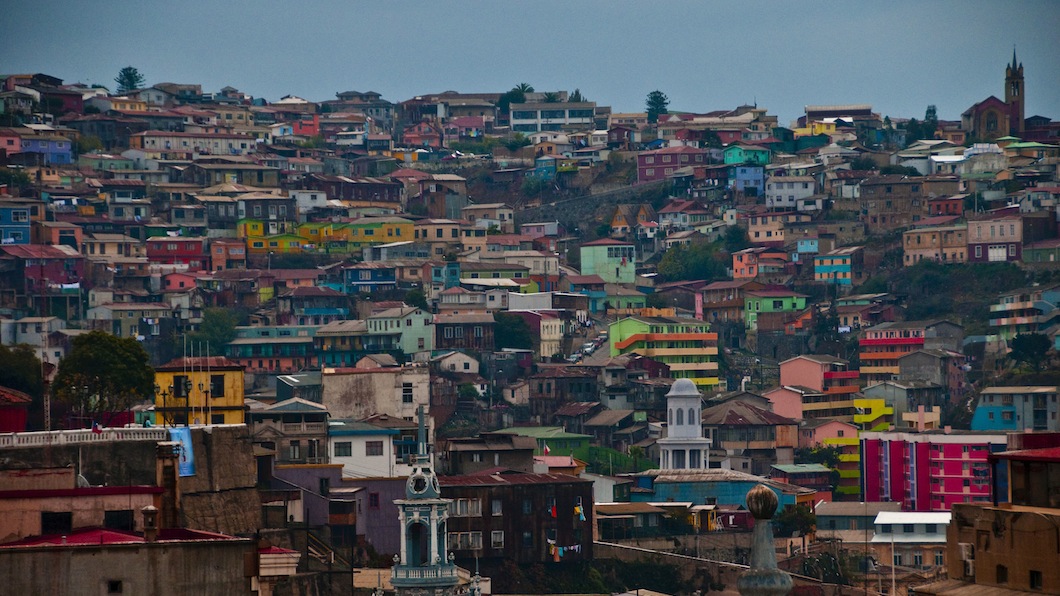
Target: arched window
[680,417]
[670,416]
[991,121]
[691,416]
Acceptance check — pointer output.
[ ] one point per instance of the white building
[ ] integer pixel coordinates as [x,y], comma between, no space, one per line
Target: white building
[536,117]
[684,446]
[785,192]
[367,450]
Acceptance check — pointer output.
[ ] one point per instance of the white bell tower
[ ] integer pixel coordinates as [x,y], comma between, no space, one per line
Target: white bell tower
[684,447]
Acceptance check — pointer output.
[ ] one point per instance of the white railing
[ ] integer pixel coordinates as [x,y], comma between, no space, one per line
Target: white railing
[69,437]
[413,573]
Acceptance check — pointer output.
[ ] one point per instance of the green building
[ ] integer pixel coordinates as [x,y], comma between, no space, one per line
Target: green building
[614,261]
[559,441]
[684,344]
[756,302]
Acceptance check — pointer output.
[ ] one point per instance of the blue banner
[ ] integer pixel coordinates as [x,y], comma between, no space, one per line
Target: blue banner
[186,460]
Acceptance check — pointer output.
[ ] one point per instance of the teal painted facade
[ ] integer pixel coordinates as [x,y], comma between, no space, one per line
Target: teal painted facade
[723,492]
[615,262]
[736,154]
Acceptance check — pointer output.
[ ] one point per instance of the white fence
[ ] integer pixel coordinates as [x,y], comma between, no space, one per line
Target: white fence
[71,437]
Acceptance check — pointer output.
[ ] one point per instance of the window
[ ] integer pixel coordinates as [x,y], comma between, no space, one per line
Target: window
[114,586]
[527,507]
[373,500]
[406,393]
[497,539]
[496,507]
[1001,574]
[217,385]
[528,539]
[918,559]
[56,522]
[295,450]
[939,556]
[885,528]
[118,520]
[1035,579]
[373,448]
[907,528]
[343,449]
[897,559]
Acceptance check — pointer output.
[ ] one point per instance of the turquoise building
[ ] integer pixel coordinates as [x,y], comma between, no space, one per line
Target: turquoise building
[711,487]
[613,260]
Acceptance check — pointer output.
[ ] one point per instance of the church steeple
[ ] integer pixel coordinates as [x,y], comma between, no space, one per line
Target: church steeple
[1014,93]
[425,566]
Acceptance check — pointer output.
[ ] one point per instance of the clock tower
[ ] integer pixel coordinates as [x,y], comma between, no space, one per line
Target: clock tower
[425,566]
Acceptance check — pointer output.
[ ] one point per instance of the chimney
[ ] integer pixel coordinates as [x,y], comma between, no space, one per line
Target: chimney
[150,523]
[947,429]
[168,478]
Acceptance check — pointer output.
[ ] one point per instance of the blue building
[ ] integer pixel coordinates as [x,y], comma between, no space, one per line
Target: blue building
[53,149]
[841,266]
[15,218]
[1017,408]
[711,487]
[748,178]
[365,278]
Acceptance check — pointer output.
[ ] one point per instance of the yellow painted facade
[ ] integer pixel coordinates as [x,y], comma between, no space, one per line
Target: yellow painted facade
[199,391]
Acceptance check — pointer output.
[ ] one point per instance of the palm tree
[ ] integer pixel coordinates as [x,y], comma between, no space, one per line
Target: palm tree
[551,97]
[523,88]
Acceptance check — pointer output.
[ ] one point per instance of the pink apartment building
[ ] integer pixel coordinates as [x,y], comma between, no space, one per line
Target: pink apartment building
[929,471]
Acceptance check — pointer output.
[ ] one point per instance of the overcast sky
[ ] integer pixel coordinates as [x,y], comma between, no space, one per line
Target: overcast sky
[898,55]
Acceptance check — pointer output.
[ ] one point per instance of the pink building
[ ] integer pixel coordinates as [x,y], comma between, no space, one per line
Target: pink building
[929,471]
[813,433]
[660,163]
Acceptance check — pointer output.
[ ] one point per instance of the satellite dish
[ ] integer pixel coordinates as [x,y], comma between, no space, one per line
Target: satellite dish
[82,482]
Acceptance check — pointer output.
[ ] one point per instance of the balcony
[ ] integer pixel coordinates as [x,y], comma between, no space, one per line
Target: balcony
[879,370]
[304,427]
[892,341]
[438,575]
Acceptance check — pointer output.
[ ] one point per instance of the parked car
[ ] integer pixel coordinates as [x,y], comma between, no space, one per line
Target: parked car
[588,347]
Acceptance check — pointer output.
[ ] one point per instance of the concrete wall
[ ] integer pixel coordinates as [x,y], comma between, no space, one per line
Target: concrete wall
[220,497]
[206,567]
[360,394]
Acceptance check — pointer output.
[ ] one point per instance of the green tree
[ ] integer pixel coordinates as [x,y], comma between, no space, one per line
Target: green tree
[931,122]
[20,369]
[516,94]
[736,239]
[516,142]
[863,163]
[899,170]
[696,261]
[129,79]
[551,97]
[104,375]
[793,519]
[15,179]
[577,97]
[217,329]
[656,105]
[913,132]
[512,331]
[1031,349]
[88,144]
[416,297]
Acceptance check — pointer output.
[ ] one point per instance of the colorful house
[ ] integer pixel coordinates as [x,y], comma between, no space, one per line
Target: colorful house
[757,302]
[930,471]
[201,390]
[684,344]
[841,267]
[613,260]
[746,154]
[1014,409]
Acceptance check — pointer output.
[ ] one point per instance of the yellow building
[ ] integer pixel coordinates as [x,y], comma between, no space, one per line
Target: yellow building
[203,390]
[826,127]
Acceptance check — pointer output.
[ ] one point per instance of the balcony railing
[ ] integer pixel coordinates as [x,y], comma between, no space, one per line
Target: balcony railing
[437,574]
[71,437]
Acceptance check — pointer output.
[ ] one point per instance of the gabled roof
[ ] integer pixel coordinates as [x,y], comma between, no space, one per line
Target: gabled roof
[609,418]
[740,413]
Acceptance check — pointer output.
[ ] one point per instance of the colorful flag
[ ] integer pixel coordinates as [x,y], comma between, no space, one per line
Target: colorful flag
[96,429]
[547,450]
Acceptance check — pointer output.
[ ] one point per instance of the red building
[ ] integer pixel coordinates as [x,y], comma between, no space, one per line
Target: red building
[422,134]
[179,251]
[14,410]
[660,163]
[38,275]
[951,205]
[929,471]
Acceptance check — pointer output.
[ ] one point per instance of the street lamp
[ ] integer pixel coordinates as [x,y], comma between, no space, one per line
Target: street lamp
[165,393]
[187,402]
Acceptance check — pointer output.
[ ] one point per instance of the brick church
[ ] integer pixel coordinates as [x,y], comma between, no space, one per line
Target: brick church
[992,118]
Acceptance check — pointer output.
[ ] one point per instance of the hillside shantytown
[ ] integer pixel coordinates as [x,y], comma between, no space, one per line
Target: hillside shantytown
[519,342]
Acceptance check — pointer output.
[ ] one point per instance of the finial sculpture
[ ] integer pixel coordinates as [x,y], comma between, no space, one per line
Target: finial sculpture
[763,578]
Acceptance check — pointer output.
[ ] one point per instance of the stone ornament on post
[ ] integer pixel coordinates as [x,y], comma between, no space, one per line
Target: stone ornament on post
[763,578]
